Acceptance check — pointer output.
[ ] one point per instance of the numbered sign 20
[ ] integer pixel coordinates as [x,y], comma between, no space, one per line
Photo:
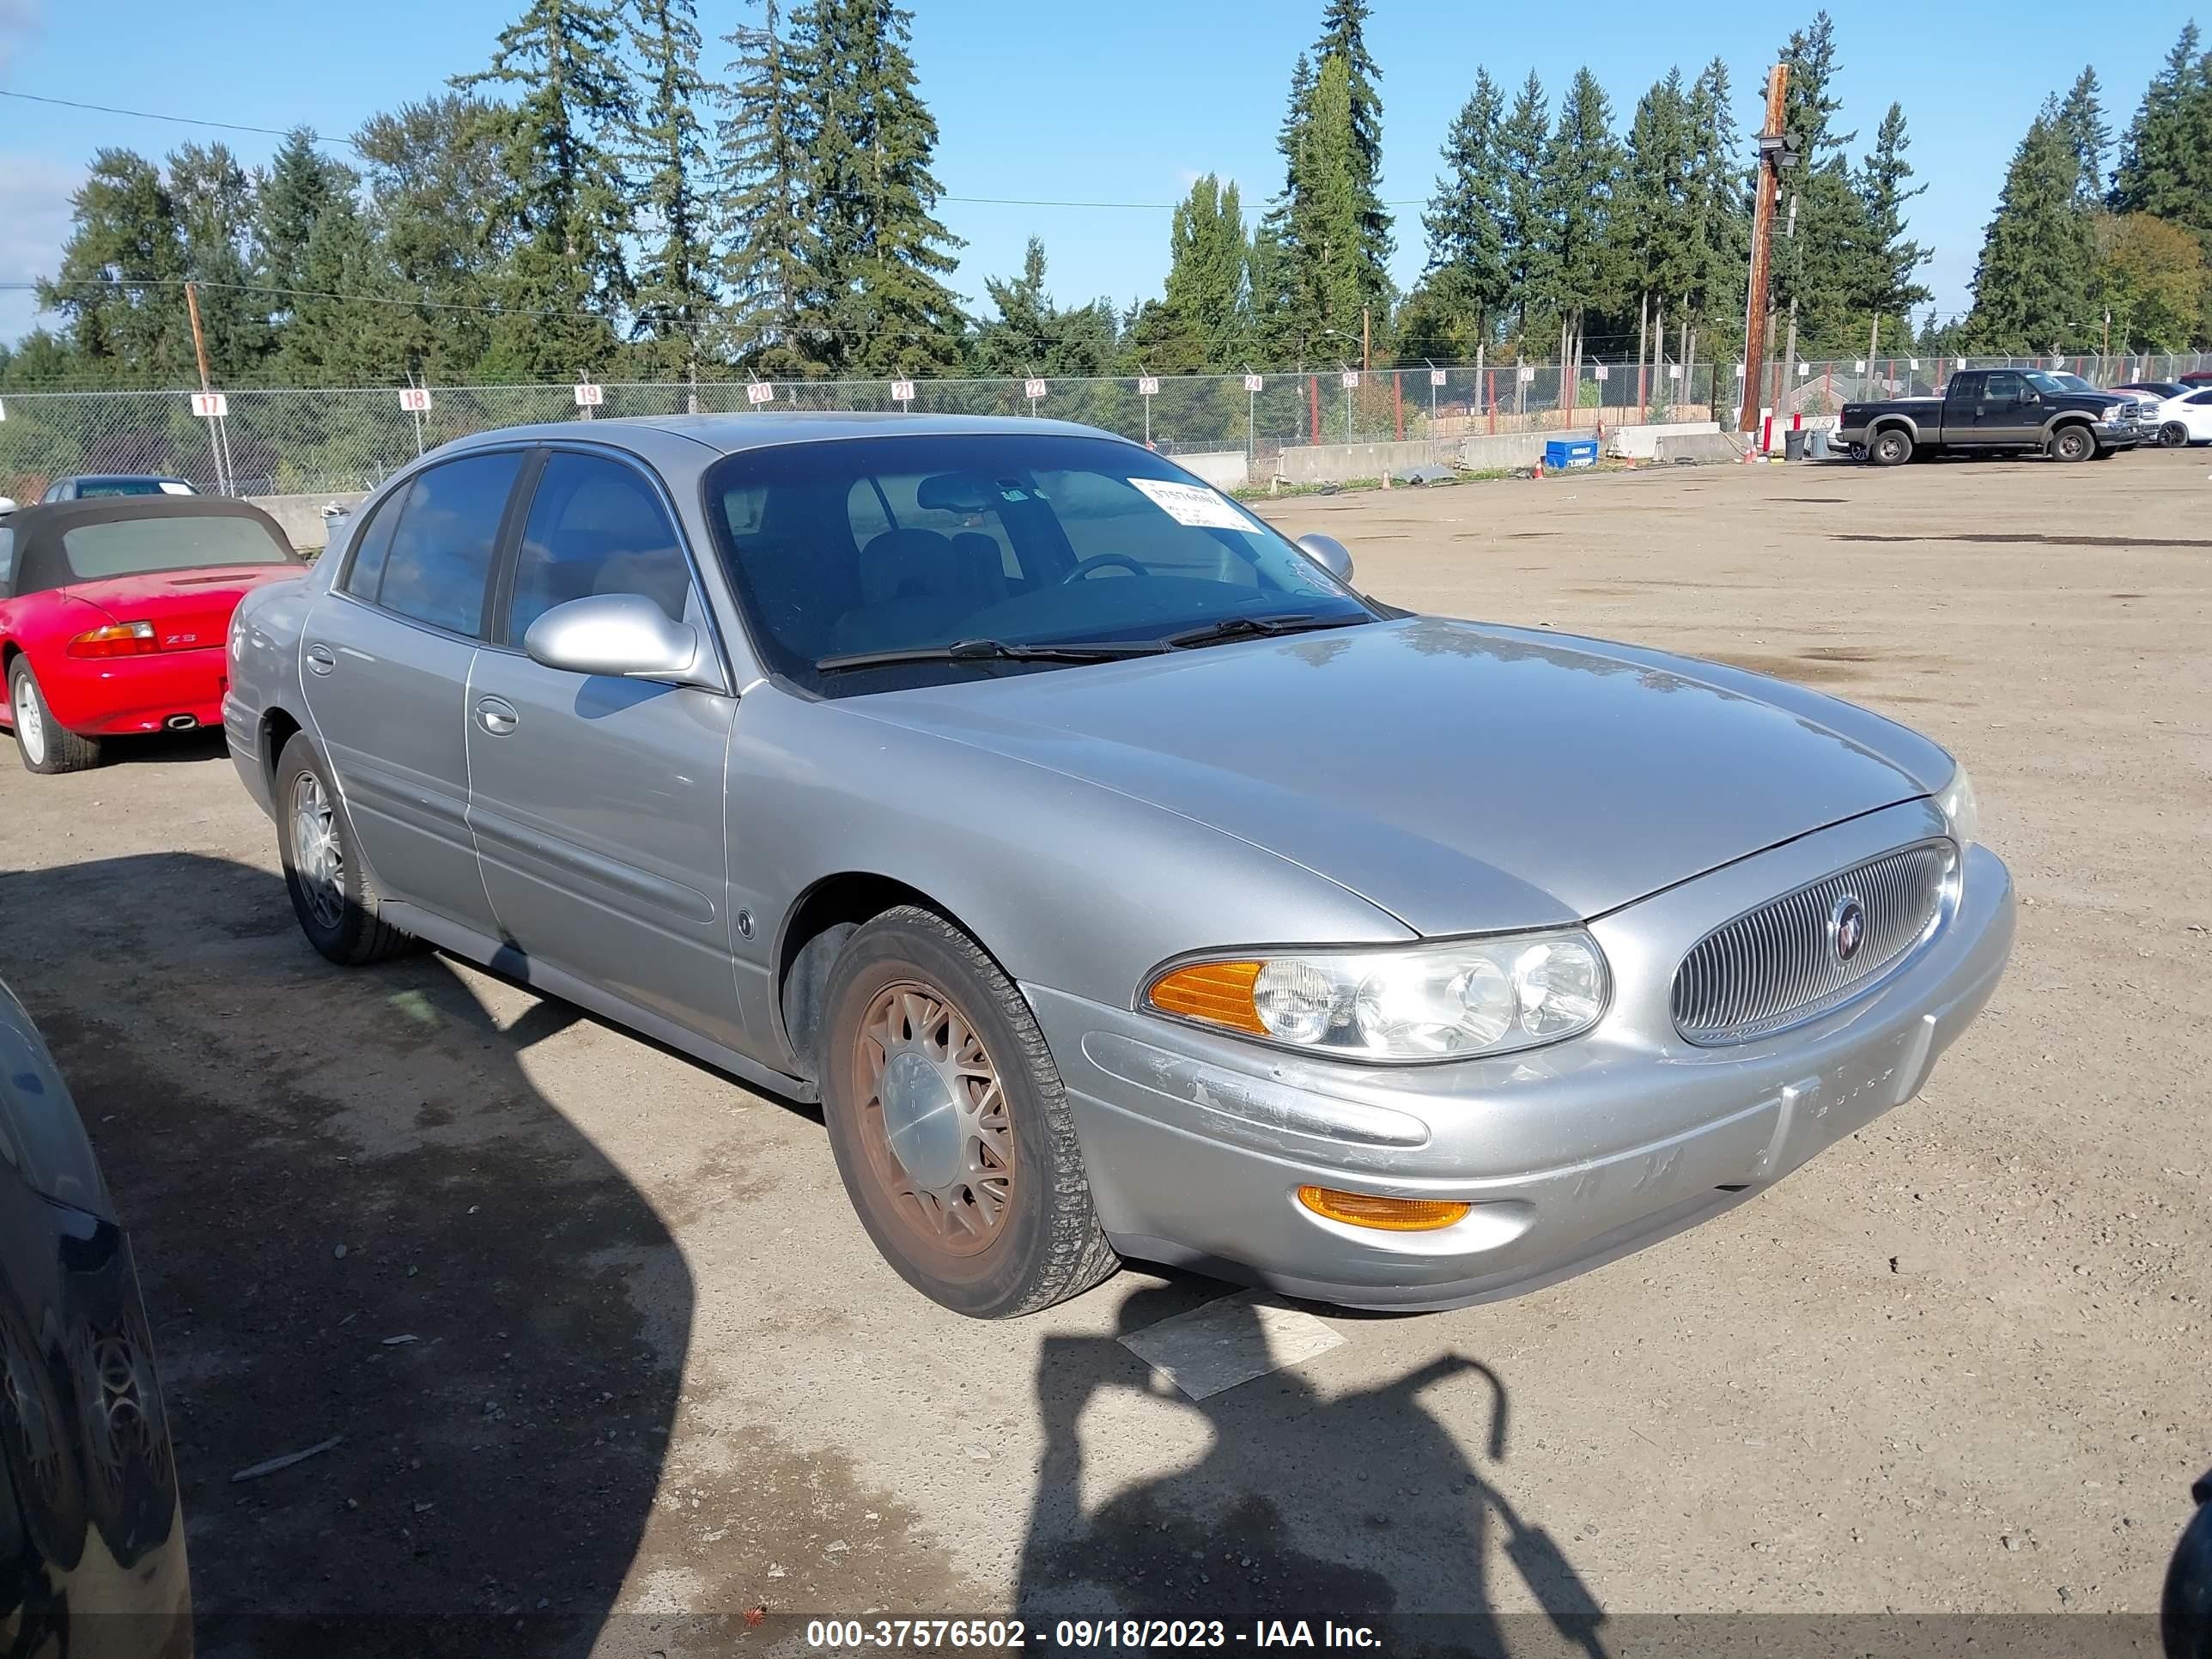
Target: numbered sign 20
[415,399]
[589,395]
[760,391]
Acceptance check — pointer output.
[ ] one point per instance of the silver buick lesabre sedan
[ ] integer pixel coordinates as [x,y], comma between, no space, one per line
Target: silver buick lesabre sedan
[1119,880]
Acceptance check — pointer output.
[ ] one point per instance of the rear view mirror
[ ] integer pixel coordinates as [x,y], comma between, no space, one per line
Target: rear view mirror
[623,635]
[1330,554]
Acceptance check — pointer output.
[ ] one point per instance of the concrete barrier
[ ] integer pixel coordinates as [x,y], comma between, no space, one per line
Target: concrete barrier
[1225,469]
[1335,463]
[1487,451]
[1710,444]
[1641,443]
[300,517]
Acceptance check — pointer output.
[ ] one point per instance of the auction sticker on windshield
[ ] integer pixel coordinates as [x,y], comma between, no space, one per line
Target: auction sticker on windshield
[1193,504]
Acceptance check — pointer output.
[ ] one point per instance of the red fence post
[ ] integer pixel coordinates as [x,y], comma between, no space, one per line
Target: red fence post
[1398,402]
[1313,407]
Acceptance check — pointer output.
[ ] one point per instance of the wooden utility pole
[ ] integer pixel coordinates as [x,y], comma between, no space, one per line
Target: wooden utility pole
[1774,155]
[1366,351]
[215,424]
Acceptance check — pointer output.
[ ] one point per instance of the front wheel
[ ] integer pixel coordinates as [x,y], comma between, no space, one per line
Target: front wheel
[2173,436]
[949,1126]
[44,744]
[1890,448]
[2072,443]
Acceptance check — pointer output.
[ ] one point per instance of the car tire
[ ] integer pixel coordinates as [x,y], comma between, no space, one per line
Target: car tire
[932,1062]
[44,744]
[2173,436]
[332,893]
[1892,447]
[2071,443]
[1857,451]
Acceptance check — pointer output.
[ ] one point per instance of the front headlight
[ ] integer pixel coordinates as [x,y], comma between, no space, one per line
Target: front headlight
[1450,1000]
[2112,412]
[1959,807]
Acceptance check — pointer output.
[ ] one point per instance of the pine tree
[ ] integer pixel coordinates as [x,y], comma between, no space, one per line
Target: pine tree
[1326,220]
[1280,291]
[2032,287]
[1721,221]
[339,333]
[1467,281]
[878,303]
[1655,226]
[565,201]
[1888,287]
[1815,266]
[300,185]
[2166,160]
[430,169]
[675,292]
[1205,306]
[766,181]
[1575,195]
[1521,142]
[213,195]
[1343,37]
[1032,336]
[2082,119]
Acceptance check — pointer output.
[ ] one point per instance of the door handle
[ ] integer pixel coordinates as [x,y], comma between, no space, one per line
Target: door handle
[320,659]
[496,715]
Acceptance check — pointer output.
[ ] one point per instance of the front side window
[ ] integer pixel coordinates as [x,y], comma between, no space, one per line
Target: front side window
[441,545]
[2003,387]
[596,527]
[137,547]
[869,546]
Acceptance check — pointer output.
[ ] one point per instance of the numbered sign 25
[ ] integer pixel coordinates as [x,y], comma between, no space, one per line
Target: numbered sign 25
[1351,379]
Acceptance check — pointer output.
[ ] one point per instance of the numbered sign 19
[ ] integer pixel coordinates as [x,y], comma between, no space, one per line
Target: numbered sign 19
[902,391]
[211,405]
[415,399]
[1436,377]
[760,391]
[1148,387]
[1033,389]
[589,395]
[1351,379]
[1254,383]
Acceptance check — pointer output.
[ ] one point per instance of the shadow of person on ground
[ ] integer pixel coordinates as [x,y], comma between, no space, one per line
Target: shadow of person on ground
[1360,1509]
[357,1220]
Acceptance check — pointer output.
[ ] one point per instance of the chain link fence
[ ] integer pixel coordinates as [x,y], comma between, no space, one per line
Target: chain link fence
[331,440]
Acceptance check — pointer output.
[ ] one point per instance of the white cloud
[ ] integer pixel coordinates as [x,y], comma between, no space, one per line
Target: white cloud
[19,21]
[35,222]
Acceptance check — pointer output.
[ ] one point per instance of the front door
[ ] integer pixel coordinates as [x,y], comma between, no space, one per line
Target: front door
[597,802]
[387,654]
[2004,415]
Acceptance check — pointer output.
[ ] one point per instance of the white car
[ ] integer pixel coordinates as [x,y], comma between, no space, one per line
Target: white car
[2186,419]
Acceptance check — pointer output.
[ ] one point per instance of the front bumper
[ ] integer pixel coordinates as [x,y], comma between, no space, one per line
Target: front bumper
[1195,1144]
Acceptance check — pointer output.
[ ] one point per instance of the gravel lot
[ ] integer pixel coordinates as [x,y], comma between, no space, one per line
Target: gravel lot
[657,1377]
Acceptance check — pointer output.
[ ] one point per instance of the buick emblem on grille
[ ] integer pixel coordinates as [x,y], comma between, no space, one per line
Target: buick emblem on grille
[1846,927]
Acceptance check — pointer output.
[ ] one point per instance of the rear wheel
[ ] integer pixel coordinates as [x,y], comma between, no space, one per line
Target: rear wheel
[2173,436]
[332,895]
[949,1126]
[44,744]
[1892,447]
[2072,443]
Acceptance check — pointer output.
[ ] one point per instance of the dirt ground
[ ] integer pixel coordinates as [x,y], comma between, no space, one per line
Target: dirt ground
[612,1361]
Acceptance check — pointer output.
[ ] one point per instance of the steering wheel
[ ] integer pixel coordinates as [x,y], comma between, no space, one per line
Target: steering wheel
[1099,561]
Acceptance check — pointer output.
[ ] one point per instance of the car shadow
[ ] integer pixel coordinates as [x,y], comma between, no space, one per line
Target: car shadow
[360,1228]
[1361,1507]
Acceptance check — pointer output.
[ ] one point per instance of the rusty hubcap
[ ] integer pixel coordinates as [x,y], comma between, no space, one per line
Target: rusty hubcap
[933,1119]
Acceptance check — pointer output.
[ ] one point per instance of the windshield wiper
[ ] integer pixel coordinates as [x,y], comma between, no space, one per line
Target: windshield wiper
[992,651]
[1246,627]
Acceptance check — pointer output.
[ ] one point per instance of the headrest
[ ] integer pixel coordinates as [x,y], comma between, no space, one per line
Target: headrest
[901,562]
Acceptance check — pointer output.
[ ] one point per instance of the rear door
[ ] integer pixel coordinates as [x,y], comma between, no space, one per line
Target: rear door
[386,656]
[597,802]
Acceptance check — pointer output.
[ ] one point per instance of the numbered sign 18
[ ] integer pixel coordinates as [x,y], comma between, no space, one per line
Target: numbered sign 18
[760,391]
[211,405]
[589,395]
[902,391]
[1033,389]
[1254,383]
[1148,387]
[415,399]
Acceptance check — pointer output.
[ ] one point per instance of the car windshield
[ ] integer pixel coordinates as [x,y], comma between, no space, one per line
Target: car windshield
[136,547]
[88,489]
[1008,546]
[2044,380]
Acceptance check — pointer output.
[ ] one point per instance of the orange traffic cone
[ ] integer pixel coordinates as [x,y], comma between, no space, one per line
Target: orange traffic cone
[1540,468]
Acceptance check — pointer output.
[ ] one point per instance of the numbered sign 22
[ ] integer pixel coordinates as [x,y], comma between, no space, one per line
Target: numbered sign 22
[589,395]
[415,399]
[1033,389]
[1148,387]
[211,405]
[760,391]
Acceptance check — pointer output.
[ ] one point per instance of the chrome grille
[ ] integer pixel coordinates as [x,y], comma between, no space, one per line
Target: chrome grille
[1779,964]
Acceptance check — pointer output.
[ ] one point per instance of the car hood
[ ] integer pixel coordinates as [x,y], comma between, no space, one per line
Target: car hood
[1462,777]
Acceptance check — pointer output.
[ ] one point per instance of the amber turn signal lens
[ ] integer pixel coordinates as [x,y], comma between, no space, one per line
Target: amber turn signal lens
[1391,1215]
[1219,993]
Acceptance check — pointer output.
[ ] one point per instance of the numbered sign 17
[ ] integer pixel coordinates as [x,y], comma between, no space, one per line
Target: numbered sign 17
[211,405]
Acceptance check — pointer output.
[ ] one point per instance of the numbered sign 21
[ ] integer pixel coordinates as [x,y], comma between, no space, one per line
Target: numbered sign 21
[902,391]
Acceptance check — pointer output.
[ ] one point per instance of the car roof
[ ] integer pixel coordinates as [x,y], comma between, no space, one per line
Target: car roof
[42,563]
[702,438]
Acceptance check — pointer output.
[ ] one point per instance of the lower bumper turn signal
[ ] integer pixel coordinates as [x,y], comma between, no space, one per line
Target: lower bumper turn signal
[1392,1215]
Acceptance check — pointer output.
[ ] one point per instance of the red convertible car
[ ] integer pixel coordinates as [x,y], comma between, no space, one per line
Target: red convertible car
[114,615]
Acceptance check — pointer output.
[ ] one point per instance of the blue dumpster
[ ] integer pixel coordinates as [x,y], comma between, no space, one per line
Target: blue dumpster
[1563,452]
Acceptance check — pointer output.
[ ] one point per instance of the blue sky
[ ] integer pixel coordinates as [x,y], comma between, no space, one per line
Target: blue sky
[1122,103]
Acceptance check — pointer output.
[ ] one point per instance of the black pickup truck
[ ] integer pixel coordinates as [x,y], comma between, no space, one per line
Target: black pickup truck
[1993,410]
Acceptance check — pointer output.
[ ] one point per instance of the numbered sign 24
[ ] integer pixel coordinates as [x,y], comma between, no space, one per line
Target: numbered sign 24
[1254,383]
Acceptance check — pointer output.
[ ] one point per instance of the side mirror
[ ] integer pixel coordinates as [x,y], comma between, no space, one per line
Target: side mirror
[623,635]
[1330,554]
[7,505]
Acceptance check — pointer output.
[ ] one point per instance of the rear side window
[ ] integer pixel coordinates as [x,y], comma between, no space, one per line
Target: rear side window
[595,527]
[441,547]
[371,545]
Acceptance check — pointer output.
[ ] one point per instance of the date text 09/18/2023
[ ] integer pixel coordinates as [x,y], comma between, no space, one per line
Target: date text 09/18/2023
[1080,1634]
